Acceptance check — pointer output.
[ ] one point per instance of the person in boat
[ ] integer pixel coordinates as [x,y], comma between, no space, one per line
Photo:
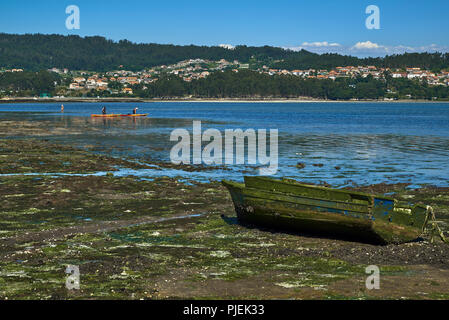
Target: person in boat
[62,108]
[103,110]
[135,110]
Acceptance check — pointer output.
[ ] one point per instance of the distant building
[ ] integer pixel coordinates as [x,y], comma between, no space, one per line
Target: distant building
[399,74]
[75,86]
[79,79]
[127,90]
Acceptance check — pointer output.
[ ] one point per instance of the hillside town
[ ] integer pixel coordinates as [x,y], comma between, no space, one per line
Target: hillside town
[122,81]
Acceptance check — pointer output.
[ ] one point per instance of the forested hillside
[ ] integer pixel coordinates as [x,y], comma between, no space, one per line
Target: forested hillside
[29,83]
[38,51]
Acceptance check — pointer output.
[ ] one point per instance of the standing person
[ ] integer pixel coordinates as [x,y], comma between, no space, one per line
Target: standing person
[135,110]
[103,110]
[62,108]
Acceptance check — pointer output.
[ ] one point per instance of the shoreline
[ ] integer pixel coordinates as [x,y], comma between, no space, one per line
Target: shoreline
[201,100]
[167,239]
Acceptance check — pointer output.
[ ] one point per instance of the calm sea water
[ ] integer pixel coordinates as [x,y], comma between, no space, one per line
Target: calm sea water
[369,142]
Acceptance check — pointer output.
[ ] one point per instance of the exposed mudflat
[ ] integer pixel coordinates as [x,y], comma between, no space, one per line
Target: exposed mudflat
[160,238]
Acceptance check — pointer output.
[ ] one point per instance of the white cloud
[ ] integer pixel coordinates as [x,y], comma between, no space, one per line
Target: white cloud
[370,48]
[365,48]
[317,46]
[227,46]
[320,44]
[366,45]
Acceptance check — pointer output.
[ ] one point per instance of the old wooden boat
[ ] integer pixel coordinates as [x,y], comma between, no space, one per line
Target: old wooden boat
[288,204]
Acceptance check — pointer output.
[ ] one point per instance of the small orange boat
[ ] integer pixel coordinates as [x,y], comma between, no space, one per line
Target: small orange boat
[105,115]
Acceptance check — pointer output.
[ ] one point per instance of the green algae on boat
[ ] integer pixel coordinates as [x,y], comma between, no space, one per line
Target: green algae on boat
[289,204]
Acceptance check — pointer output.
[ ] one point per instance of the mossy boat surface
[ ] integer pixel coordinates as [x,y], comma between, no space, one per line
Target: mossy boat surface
[314,209]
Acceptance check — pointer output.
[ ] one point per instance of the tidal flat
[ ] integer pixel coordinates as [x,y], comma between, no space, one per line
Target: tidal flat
[162,237]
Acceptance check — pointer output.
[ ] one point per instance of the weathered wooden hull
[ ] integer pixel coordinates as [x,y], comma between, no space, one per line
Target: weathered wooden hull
[288,205]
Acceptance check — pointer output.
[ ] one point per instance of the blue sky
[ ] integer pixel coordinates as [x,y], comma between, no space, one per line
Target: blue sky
[318,25]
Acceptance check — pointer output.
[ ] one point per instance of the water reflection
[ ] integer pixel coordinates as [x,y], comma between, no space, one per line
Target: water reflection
[361,143]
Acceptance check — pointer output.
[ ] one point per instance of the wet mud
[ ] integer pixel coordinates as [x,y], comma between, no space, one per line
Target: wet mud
[164,238]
